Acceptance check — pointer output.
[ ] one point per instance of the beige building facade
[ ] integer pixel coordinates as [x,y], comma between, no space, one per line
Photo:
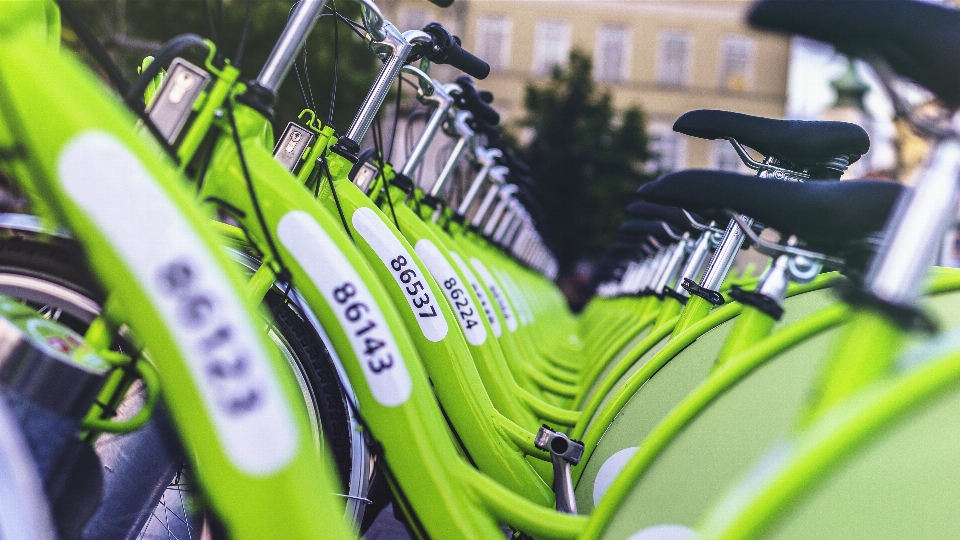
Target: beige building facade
[667,56]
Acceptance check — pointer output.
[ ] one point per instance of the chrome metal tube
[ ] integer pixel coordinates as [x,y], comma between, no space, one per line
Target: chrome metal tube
[503,226]
[398,49]
[672,266]
[915,229]
[486,158]
[444,102]
[291,40]
[723,257]
[496,176]
[466,134]
[691,270]
[495,222]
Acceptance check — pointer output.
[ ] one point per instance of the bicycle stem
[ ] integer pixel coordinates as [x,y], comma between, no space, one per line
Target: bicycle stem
[496,176]
[499,219]
[291,40]
[444,102]
[486,158]
[395,47]
[466,137]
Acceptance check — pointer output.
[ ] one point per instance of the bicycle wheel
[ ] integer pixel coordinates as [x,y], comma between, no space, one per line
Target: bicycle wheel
[47,272]
[24,512]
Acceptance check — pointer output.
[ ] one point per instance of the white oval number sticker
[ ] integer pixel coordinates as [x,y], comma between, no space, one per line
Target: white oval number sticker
[359,315]
[496,292]
[519,300]
[450,283]
[481,294]
[229,366]
[410,278]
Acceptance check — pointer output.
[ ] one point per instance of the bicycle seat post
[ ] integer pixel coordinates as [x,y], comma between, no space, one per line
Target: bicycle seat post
[918,222]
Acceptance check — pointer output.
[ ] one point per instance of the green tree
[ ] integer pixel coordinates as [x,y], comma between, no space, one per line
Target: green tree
[586,160]
[131,29]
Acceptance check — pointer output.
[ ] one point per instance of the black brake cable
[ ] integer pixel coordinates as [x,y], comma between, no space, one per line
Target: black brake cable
[208,15]
[336,62]
[282,274]
[222,32]
[93,45]
[105,61]
[243,36]
[378,147]
[336,198]
[396,117]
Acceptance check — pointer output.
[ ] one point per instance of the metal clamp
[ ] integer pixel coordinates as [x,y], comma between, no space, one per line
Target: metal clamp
[564,452]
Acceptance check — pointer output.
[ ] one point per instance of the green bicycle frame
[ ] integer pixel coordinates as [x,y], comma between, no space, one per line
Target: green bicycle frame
[83,165]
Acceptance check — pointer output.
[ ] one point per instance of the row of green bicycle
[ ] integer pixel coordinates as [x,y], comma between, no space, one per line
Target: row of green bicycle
[279,334]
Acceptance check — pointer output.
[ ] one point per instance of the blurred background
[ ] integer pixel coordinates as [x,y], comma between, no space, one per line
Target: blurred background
[588,90]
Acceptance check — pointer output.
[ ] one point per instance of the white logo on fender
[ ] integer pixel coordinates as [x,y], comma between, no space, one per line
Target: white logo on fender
[481,294]
[458,296]
[191,294]
[496,292]
[403,266]
[359,315]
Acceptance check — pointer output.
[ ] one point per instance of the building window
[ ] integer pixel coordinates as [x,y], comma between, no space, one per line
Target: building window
[551,45]
[669,149]
[673,58]
[736,64]
[611,58]
[413,19]
[724,157]
[493,41]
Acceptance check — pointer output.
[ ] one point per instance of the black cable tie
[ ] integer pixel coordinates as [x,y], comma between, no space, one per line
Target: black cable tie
[908,317]
[713,297]
[757,300]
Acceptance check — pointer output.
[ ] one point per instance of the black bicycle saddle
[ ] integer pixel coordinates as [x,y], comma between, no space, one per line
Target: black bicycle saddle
[827,215]
[918,40]
[797,141]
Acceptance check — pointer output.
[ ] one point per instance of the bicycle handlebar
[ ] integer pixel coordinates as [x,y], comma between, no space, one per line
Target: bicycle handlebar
[447,50]
[471,100]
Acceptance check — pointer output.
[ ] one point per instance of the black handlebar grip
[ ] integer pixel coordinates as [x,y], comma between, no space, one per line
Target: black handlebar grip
[470,100]
[467,62]
[442,3]
[447,50]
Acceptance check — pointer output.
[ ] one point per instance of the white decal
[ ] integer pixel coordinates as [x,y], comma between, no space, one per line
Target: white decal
[497,293]
[352,302]
[515,294]
[194,298]
[667,531]
[481,294]
[405,270]
[459,298]
[609,471]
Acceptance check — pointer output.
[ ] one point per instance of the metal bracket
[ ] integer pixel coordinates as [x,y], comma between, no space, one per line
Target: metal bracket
[772,249]
[564,452]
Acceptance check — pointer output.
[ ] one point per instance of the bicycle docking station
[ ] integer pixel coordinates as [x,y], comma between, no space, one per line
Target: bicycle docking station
[564,452]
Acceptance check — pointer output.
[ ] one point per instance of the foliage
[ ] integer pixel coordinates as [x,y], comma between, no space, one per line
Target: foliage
[130,28]
[586,160]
